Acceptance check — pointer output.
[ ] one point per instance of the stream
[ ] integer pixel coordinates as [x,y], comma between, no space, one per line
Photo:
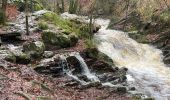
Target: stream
[145,62]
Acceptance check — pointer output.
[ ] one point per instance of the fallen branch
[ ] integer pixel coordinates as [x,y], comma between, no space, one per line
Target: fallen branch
[26,96]
[43,98]
[5,77]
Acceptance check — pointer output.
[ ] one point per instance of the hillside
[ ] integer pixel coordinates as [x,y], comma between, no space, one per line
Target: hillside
[84,50]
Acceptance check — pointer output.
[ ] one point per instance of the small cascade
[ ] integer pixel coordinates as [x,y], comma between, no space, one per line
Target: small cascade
[85,69]
[84,66]
[66,70]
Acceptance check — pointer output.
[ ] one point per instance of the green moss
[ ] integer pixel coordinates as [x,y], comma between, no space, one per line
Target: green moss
[149,99]
[136,98]
[69,26]
[89,43]
[163,19]
[58,38]
[42,25]
[38,6]
[34,49]
[11,57]
[48,36]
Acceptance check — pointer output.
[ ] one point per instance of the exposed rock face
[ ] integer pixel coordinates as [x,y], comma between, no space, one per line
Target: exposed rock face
[74,64]
[59,38]
[34,49]
[51,66]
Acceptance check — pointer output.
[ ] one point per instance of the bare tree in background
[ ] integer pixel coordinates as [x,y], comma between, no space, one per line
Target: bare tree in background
[4,5]
[26,16]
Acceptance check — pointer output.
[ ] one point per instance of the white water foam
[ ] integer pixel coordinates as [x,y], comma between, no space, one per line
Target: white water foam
[143,61]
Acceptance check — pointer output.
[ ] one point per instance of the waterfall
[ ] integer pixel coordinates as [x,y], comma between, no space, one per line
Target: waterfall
[84,67]
[66,70]
[145,62]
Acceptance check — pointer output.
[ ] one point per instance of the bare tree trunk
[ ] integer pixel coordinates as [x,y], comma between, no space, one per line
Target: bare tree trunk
[54,5]
[26,11]
[4,5]
[127,9]
[91,24]
[62,3]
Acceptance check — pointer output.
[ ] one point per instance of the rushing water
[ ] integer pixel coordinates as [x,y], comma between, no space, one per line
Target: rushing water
[86,70]
[143,61]
[92,77]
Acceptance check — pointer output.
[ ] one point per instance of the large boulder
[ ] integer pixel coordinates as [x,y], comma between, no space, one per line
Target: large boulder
[80,21]
[85,24]
[59,38]
[15,55]
[97,61]
[95,53]
[21,58]
[52,66]
[7,55]
[34,49]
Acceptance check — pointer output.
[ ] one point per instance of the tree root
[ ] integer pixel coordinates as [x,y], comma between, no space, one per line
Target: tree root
[43,98]
[43,86]
[26,96]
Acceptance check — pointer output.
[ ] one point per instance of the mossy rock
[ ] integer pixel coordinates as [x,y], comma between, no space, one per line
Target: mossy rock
[63,40]
[34,49]
[10,58]
[21,58]
[79,28]
[7,55]
[58,38]
[95,53]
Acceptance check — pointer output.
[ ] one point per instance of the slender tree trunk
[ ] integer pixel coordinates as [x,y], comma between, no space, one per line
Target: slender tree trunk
[4,5]
[58,7]
[127,9]
[62,3]
[26,11]
[91,24]
[54,5]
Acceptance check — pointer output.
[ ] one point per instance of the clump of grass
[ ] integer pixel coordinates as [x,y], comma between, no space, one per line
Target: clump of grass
[43,25]
[89,43]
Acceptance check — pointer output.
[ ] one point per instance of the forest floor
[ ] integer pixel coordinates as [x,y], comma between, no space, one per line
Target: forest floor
[21,82]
